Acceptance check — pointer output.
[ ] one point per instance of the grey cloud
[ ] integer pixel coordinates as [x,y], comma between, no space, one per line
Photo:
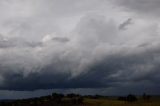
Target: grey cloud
[63,40]
[76,64]
[94,29]
[32,22]
[125,24]
[36,53]
[63,61]
[17,42]
[102,74]
[146,7]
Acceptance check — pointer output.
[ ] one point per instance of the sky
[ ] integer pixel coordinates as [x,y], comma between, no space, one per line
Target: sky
[81,46]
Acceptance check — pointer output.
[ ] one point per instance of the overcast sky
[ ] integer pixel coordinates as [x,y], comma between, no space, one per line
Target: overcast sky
[82,46]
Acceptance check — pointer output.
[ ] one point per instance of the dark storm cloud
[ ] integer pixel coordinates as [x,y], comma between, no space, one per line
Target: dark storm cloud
[95,64]
[114,71]
[68,44]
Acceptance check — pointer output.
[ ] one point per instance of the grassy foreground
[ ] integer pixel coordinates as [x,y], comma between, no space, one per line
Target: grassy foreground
[77,100]
[155,101]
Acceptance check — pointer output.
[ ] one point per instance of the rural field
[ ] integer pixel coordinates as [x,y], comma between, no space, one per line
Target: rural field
[113,102]
[78,100]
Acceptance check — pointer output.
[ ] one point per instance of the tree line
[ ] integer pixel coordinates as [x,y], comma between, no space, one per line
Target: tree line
[57,99]
[133,98]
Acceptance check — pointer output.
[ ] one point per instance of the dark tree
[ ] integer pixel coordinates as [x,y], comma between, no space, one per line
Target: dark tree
[146,97]
[57,97]
[121,98]
[80,100]
[72,95]
[131,98]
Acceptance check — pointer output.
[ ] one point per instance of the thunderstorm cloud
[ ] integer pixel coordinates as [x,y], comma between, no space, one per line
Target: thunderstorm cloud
[80,44]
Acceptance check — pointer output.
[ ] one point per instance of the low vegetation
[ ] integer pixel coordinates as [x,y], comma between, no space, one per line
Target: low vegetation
[56,99]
